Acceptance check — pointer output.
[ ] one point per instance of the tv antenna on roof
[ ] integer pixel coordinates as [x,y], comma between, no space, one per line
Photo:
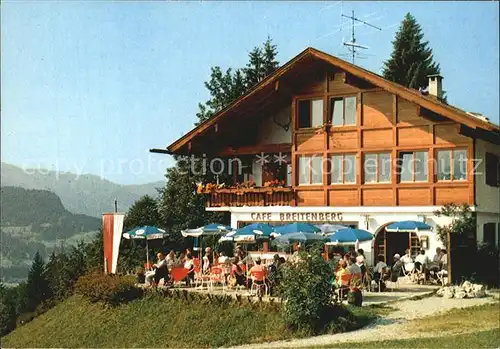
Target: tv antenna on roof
[352,46]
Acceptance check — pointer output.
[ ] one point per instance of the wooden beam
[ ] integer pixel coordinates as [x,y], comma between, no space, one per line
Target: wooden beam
[489,136]
[266,148]
[356,81]
[161,151]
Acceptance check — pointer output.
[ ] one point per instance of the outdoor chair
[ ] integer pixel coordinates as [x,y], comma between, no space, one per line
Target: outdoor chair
[217,276]
[257,288]
[200,278]
[419,273]
[343,290]
[408,271]
[442,276]
[394,280]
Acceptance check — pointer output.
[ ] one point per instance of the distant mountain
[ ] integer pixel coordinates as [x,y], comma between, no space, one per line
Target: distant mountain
[85,194]
[35,220]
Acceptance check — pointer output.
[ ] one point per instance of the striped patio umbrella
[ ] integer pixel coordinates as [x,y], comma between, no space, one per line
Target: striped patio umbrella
[147,233]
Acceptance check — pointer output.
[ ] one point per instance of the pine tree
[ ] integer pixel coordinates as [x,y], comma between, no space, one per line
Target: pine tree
[8,313]
[37,286]
[261,63]
[412,59]
[254,71]
[269,56]
[94,252]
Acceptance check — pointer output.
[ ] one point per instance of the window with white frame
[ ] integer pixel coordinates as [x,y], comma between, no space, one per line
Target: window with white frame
[310,169]
[343,111]
[413,166]
[452,165]
[343,169]
[377,168]
[310,113]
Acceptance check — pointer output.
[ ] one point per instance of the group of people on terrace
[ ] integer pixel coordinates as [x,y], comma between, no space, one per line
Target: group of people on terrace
[240,270]
[350,269]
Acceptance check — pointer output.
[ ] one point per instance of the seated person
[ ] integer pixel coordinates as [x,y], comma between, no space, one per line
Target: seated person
[342,275]
[273,273]
[406,259]
[237,272]
[170,259]
[160,270]
[189,265]
[354,271]
[208,260]
[258,272]
[435,265]
[422,263]
[379,269]
[222,258]
[360,260]
[396,268]
[444,260]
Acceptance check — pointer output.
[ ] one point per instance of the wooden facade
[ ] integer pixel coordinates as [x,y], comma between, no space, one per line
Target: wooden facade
[389,120]
[385,123]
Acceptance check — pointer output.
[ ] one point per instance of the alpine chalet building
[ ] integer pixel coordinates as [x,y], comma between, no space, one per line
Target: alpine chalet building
[321,140]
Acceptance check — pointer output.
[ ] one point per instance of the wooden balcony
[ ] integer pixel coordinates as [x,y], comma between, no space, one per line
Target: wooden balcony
[251,197]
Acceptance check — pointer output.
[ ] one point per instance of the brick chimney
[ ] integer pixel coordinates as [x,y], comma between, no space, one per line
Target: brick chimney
[435,85]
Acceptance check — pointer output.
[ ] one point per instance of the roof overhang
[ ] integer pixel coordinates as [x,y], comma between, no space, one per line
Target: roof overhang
[272,82]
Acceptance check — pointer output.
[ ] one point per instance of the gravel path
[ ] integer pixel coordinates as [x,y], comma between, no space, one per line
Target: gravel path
[388,327]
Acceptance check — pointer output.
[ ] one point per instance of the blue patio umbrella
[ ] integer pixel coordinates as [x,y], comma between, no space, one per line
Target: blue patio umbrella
[249,233]
[296,228]
[349,236]
[147,233]
[301,237]
[408,226]
[328,229]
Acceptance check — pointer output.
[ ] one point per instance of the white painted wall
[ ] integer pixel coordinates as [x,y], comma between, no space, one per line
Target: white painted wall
[487,197]
[272,133]
[483,218]
[377,217]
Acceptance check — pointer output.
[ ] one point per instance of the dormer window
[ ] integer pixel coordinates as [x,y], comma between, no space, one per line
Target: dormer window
[310,113]
[343,111]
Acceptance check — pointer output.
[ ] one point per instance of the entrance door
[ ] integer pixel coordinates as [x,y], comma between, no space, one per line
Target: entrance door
[396,243]
[388,244]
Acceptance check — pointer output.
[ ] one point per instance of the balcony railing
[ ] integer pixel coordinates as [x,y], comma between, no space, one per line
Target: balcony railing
[251,197]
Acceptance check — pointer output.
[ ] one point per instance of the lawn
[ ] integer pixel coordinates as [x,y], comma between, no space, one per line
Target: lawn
[159,321]
[477,318]
[485,339]
[473,327]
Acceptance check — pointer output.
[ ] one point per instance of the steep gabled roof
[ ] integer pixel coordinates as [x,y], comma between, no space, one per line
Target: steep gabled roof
[411,95]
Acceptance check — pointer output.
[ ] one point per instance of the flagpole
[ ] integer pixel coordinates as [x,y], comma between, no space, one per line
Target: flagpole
[147,252]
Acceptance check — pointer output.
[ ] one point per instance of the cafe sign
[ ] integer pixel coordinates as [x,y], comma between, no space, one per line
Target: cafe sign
[297,217]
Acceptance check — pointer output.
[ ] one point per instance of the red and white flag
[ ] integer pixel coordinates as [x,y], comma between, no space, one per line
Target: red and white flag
[112,225]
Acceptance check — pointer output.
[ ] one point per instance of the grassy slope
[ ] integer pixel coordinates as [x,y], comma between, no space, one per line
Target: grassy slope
[167,323]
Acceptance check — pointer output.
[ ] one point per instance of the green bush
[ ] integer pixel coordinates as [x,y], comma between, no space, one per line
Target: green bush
[306,292]
[108,288]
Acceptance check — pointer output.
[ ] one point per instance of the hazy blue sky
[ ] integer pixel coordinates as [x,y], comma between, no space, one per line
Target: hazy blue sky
[90,87]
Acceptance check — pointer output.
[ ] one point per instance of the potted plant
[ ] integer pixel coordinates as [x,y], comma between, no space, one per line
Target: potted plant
[355,297]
